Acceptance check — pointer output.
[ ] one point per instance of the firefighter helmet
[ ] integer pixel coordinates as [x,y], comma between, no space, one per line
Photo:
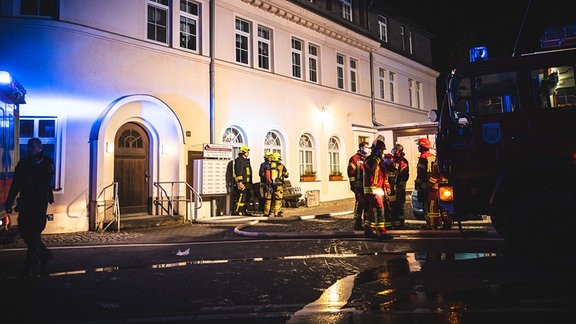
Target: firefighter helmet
[378,145]
[276,157]
[268,155]
[244,149]
[397,150]
[424,142]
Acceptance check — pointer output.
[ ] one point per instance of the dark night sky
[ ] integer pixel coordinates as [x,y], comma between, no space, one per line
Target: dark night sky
[459,25]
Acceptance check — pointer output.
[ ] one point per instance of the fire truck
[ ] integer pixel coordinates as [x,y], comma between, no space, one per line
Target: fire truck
[506,143]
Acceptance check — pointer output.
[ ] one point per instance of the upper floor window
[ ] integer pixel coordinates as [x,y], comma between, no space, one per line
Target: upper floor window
[313,63]
[242,41]
[418,94]
[382,83]
[391,86]
[347,9]
[41,8]
[411,92]
[410,48]
[353,75]
[383,27]
[45,129]
[296,58]
[340,71]
[403,37]
[334,156]
[189,25]
[306,155]
[157,28]
[264,47]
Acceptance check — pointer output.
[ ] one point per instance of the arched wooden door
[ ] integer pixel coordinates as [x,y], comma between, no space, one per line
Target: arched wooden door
[131,158]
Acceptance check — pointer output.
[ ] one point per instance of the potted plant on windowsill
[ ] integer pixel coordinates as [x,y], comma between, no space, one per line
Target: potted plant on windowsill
[308,175]
[335,176]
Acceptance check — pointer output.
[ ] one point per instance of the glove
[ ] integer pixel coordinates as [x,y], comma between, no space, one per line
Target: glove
[241,186]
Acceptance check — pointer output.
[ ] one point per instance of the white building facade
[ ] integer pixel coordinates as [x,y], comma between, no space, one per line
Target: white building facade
[130,91]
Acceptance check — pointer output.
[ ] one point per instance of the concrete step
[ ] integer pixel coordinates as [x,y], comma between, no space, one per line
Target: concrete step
[136,221]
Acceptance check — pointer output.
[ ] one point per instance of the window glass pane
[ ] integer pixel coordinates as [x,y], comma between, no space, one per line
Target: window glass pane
[26,128]
[46,128]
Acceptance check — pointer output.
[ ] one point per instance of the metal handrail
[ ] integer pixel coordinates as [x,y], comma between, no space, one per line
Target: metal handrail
[115,206]
[172,199]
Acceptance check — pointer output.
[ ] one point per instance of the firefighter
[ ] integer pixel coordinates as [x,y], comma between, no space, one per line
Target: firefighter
[277,173]
[243,184]
[376,188]
[427,184]
[403,173]
[392,176]
[265,188]
[356,178]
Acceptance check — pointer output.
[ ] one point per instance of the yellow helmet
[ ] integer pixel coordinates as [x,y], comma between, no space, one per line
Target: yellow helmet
[244,149]
[276,157]
[268,155]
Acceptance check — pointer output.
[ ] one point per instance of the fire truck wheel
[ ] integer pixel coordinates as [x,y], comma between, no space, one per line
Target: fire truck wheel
[543,221]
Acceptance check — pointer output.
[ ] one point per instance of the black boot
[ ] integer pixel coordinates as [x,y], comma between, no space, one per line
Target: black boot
[358,224]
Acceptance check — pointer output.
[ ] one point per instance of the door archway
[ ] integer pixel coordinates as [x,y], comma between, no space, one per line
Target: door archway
[131,168]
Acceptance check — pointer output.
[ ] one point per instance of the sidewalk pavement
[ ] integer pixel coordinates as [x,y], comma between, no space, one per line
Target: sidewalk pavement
[328,219]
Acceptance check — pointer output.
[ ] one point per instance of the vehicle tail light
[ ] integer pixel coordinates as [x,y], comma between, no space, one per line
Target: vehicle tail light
[445,193]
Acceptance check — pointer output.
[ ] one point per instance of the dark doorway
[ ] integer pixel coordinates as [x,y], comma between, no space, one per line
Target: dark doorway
[131,155]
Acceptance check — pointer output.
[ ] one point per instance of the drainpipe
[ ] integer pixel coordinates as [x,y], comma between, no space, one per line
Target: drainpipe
[212,33]
[372,96]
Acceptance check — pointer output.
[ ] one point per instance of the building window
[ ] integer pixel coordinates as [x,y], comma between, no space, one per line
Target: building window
[264,47]
[391,87]
[340,71]
[418,94]
[403,37]
[242,41]
[353,75]
[410,49]
[189,25]
[306,155]
[158,20]
[411,92]
[382,83]
[273,143]
[44,129]
[313,63]
[383,27]
[40,8]
[334,156]
[347,9]
[235,137]
[296,58]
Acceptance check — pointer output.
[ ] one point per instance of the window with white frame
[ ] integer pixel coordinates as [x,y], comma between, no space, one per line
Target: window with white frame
[44,128]
[403,37]
[410,48]
[264,47]
[418,94]
[353,75]
[234,137]
[382,83]
[383,27]
[411,92]
[347,9]
[242,41]
[296,58]
[334,156]
[40,8]
[189,25]
[340,71]
[157,25]
[273,143]
[306,155]
[391,86]
[313,63]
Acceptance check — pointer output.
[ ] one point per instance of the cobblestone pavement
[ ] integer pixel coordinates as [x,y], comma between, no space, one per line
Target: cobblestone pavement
[327,217]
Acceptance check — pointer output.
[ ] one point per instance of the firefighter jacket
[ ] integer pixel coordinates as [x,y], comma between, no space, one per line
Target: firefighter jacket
[375,177]
[243,171]
[356,170]
[264,173]
[427,172]
[278,173]
[403,172]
